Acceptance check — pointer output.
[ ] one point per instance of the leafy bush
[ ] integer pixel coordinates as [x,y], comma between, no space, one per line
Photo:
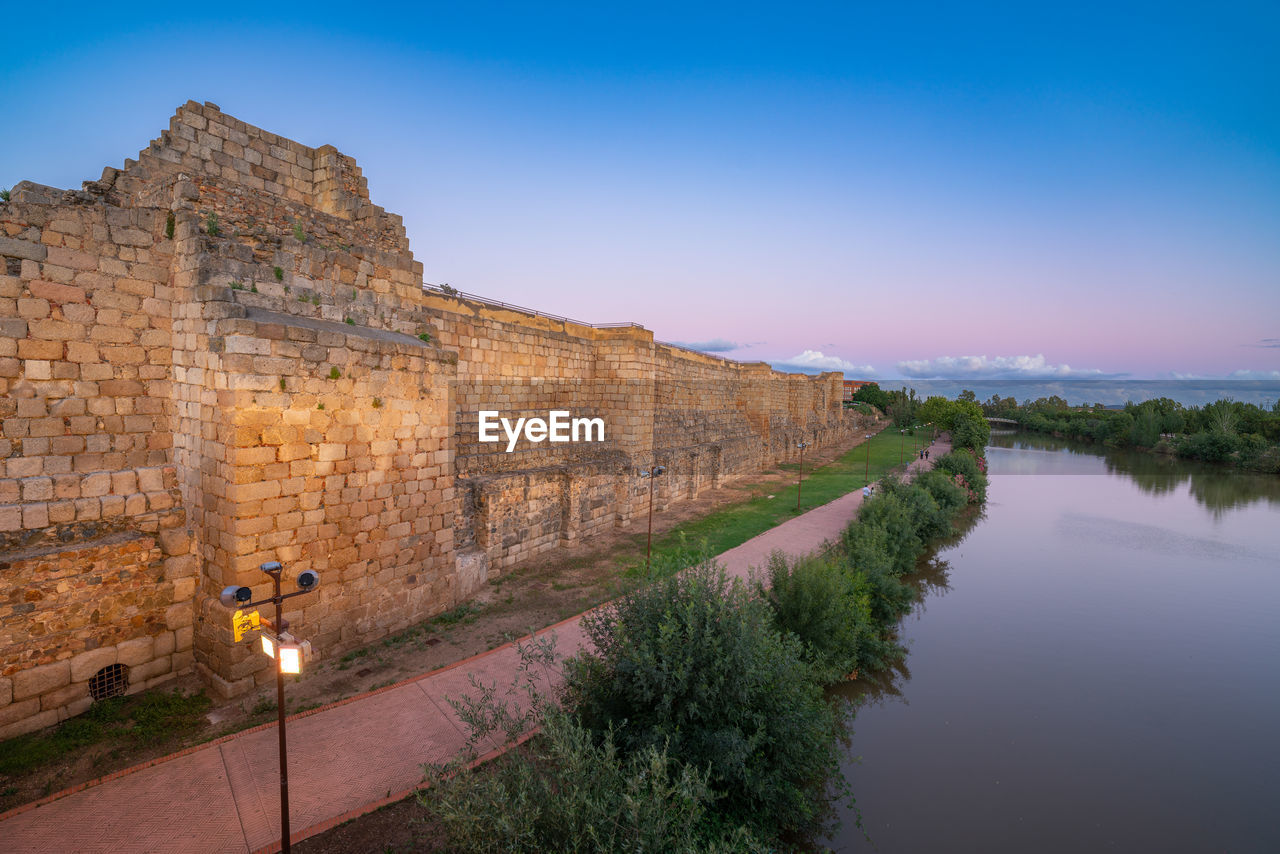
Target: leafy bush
[693,664]
[817,601]
[931,522]
[965,465]
[1214,447]
[949,496]
[888,512]
[565,790]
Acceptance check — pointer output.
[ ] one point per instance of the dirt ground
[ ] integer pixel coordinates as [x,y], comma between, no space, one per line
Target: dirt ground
[396,828]
[532,596]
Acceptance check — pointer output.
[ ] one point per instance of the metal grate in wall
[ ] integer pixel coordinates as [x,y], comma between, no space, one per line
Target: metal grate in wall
[110,681]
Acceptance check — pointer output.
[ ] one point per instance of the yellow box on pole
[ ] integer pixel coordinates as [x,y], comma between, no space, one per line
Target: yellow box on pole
[242,623]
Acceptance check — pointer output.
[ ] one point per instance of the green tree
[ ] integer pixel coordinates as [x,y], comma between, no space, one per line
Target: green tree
[872,393]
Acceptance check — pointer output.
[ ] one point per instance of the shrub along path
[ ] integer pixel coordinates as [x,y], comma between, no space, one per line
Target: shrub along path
[345,759]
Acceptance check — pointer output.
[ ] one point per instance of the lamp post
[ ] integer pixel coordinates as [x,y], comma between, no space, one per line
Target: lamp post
[902,444]
[800,482]
[651,474]
[288,655]
[866,474]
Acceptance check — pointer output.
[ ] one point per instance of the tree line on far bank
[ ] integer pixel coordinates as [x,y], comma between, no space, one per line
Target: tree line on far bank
[1226,431]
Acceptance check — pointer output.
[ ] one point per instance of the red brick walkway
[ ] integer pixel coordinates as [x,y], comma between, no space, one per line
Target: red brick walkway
[344,760]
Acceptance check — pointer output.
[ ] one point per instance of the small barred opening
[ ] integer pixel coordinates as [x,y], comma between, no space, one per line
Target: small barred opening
[110,681]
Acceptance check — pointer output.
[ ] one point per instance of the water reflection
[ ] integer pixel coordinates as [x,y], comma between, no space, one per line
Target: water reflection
[1095,670]
[1219,489]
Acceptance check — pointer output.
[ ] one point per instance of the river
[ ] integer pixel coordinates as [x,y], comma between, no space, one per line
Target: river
[1094,666]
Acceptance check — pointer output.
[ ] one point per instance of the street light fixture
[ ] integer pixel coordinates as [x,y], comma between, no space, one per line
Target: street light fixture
[800,482]
[288,655]
[651,474]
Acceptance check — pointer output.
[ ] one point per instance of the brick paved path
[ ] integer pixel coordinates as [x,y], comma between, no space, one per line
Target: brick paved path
[344,760]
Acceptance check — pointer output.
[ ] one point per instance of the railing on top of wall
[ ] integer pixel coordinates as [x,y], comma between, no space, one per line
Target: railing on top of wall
[701,352]
[454,292]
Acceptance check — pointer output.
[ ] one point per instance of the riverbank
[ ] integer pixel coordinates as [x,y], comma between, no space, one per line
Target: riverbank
[1238,435]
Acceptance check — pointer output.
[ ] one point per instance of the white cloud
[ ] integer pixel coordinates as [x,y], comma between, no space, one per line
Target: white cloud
[995,367]
[1245,374]
[815,361]
[1242,374]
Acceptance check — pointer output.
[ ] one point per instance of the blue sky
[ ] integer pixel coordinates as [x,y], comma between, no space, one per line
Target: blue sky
[930,190]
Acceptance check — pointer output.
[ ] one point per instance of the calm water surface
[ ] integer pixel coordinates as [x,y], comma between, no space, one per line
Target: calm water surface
[1095,666]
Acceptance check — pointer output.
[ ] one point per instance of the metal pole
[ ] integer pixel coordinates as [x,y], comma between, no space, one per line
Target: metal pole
[902,440]
[284,763]
[648,549]
[866,474]
[800,482]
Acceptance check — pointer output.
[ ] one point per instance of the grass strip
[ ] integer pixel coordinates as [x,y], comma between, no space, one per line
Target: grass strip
[732,526]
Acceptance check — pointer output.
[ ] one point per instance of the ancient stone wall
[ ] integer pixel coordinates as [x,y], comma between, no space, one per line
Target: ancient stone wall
[223,354]
[95,555]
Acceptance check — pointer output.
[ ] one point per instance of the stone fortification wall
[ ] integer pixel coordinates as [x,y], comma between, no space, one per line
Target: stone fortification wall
[223,353]
[95,553]
[707,419]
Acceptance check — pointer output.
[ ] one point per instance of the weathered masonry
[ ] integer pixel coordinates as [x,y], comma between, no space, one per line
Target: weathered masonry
[223,353]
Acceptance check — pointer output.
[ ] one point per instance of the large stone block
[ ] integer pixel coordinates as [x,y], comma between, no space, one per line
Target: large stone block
[175,541]
[179,615]
[15,712]
[40,680]
[472,572]
[37,720]
[64,696]
[84,665]
[136,651]
[223,688]
[14,248]
[141,674]
[75,707]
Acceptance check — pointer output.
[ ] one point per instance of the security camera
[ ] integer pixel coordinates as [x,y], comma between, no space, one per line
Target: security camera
[234,597]
[270,566]
[308,579]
